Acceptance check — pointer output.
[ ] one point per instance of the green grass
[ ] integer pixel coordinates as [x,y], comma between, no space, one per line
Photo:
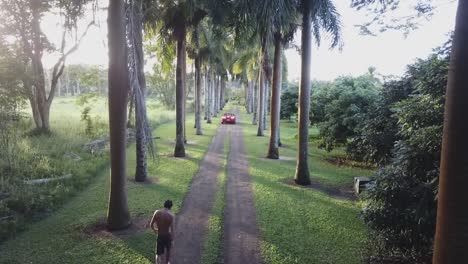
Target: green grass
[300,225]
[213,248]
[53,155]
[60,238]
[320,169]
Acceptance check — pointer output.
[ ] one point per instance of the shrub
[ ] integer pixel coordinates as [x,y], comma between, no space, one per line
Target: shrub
[339,107]
[401,209]
[289,99]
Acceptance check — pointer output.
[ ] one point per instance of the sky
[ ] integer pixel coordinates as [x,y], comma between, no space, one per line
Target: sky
[388,52]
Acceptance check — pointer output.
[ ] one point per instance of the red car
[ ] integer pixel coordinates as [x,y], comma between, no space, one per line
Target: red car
[228,118]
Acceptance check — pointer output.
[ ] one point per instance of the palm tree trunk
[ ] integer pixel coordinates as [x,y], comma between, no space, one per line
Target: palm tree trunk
[184,80]
[265,102]
[118,215]
[302,176]
[251,96]
[179,150]
[255,101]
[210,96]
[215,95]
[205,91]
[141,170]
[247,97]
[451,239]
[223,91]
[198,95]
[273,150]
[261,101]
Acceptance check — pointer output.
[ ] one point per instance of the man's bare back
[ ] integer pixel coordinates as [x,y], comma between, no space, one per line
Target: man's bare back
[162,224]
[163,220]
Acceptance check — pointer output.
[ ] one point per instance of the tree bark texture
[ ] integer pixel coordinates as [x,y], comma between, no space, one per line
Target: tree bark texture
[198,96]
[118,215]
[205,91]
[273,148]
[451,239]
[179,150]
[215,95]
[210,96]
[184,80]
[302,176]
[255,101]
[261,102]
[143,129]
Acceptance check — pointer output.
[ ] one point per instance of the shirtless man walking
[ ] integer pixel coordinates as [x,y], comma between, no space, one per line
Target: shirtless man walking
[162,224]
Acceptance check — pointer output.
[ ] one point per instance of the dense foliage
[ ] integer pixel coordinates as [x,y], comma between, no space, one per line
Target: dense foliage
[162,86]
[401,209]
[338,107]
[289,102]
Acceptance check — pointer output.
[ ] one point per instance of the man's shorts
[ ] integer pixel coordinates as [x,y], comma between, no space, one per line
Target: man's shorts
[163,242]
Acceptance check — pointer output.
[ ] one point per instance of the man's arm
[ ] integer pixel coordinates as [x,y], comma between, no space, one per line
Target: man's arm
[173,226]
[153,222]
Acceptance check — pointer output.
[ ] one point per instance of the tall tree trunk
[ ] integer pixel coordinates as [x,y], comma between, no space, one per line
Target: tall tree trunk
[118,215]
[261,102]
[210,96]
[130,110]
[451,239]
[198,96]
[205,91]
[251,96]
[246,96]
[302,176]
[195,99]
[279,125]
[179,150]
[255,101]
[184,79]
[273,151]
[215,95]
[141,121]
[262,88]
[222,94]
[265,102]
[141,170]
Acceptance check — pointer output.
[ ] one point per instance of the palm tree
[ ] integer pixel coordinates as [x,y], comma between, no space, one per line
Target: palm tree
[246,66]
[169,20]
[196,53]
[138,84]
[316,15]
[180,35]
[273,151]
[451,239]
[118,215]
[198,95]
[284,25]
[172,20]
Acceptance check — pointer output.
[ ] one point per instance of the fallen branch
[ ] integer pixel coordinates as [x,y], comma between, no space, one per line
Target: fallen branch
[47,180]
[6,218]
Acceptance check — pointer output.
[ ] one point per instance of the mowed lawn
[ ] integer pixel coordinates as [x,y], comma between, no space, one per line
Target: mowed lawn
[64,238]
[300,225]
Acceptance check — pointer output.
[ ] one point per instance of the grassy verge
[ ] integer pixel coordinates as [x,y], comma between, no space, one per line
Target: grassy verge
[60,238]
[213,248]
[320,166]
[300,225]
[60,153]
